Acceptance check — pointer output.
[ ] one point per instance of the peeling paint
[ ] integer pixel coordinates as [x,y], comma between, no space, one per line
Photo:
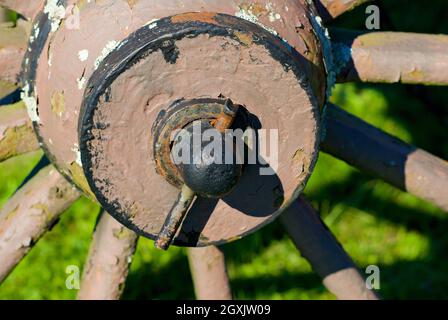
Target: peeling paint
[324,37]
[50,59]
[152,23]
[249,15]
[55,13]
[30,102]
[81,82]
[273,16]
[102,48]
[110,46]
[35,33]
[75,149]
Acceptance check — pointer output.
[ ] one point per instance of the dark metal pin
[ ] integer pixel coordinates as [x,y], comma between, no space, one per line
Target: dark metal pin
[175,218]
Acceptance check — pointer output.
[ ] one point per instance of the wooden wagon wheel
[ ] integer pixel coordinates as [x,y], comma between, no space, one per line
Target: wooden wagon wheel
[101,99]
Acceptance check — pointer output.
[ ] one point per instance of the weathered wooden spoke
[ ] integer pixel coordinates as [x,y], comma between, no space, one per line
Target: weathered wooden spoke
[32,211]
[209,273]
[391,57]
[16,132]
[107,265]
[331,9]
[380,154]
[13,43]
[326,256]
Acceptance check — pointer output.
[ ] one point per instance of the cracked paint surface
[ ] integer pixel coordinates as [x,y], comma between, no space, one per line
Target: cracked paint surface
[75,54]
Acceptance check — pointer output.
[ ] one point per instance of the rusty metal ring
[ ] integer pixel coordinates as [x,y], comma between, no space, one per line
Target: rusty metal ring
[177,116]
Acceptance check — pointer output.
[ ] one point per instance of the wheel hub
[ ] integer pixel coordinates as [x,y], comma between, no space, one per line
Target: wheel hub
[131,87]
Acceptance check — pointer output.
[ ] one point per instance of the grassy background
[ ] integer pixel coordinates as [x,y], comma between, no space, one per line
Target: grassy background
[376,223]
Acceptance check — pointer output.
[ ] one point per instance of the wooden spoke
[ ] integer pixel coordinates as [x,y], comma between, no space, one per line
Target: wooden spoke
[27,8]
[16,132]
[331,9]
[326,256]
[375,152]
[13,43]
[107,265]
[208,269]
[32,211]
[391,57]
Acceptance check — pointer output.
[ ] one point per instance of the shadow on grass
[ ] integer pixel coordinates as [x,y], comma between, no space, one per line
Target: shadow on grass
[155,283]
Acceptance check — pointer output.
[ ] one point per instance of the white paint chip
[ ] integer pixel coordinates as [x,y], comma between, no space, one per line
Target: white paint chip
[83,55]
[110,46]
[55,13]
[152,23]
[81,82]
[75,149]
[251,17]
[30,103]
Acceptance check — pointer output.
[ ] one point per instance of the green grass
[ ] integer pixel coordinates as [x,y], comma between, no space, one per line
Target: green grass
[376,223]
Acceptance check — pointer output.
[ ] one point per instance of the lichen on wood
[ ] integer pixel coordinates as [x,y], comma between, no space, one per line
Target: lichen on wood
[16,132]
[32,211]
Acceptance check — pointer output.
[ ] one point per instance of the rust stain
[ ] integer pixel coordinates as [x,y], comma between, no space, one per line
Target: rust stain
[255,8]
[207,17]
[244,38]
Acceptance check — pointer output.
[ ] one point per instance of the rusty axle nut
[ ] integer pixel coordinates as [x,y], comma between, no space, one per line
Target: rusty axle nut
[215,173]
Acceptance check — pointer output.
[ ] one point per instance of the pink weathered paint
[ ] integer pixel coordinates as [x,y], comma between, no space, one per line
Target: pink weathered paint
[68,61]
[13,43]
[109,259]
[209,273]
[30,213]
